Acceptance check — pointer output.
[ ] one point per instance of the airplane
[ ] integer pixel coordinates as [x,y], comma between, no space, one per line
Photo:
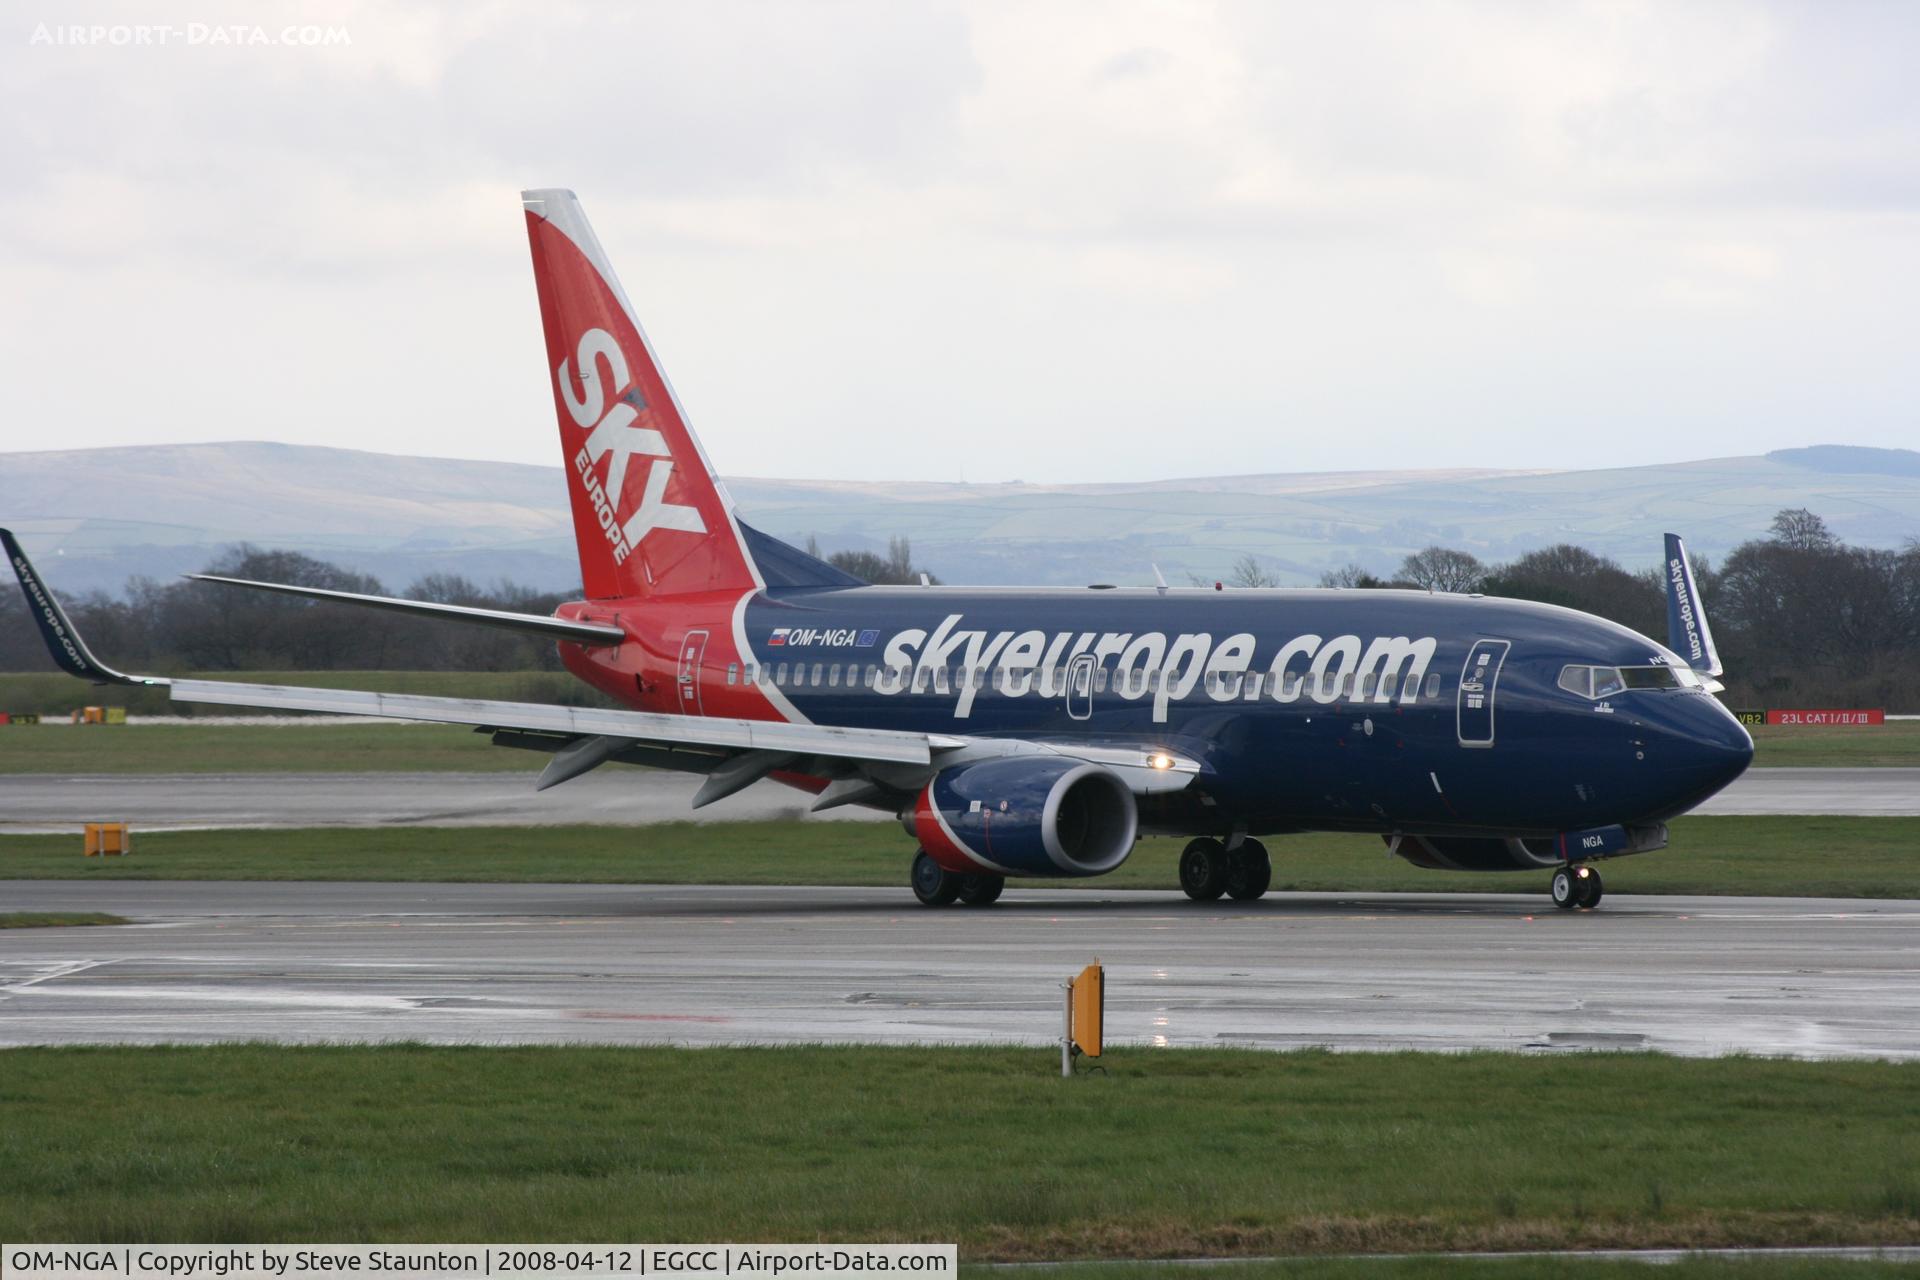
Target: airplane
[1021,732]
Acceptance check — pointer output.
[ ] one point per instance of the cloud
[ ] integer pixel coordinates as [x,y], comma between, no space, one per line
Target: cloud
[870,236]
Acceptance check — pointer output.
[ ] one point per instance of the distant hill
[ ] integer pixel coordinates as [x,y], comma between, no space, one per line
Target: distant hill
[98,516]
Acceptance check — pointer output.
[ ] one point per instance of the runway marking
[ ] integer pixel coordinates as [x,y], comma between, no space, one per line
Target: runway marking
[59,971]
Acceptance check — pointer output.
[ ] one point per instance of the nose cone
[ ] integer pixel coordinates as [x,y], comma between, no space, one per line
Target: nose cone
[1702,749]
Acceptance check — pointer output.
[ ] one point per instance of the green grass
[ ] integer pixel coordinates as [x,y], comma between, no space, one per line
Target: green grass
[1837,746]
[1171,1154]
[1421,1268]
[328,746]
[52,693]
[1800,856]
[325,747]
[54,919]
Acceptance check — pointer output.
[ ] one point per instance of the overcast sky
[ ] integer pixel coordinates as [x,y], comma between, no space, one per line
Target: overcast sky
[992,241]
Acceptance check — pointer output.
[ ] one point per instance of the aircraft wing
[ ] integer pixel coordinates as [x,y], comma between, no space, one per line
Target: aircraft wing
[861,765]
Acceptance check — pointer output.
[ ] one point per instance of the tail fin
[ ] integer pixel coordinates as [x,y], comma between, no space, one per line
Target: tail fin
[649,515]
[1687,632]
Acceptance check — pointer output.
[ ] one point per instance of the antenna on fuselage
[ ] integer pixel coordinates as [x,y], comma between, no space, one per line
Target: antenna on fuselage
[1161,579]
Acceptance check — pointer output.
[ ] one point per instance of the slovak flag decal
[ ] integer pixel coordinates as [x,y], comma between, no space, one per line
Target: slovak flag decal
[779,635]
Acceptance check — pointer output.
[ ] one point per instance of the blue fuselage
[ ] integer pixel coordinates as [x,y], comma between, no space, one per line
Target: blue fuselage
[1307,709]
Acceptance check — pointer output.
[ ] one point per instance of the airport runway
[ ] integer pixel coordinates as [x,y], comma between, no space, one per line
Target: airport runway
[45,802]
[714,965]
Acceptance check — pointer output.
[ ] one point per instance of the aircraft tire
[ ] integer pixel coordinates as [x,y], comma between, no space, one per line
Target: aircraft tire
[1591,889]
[1203,869]
[1249,871]
[1565,890]
[933,884]
[981,890]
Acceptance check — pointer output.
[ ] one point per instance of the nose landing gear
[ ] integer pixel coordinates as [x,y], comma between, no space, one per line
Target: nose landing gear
[1577,886]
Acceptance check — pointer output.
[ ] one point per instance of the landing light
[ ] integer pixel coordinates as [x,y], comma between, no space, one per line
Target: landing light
[1160,760]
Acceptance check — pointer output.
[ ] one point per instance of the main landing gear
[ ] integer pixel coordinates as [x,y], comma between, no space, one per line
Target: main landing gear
[1576,887]
[1208,869]
[936,886]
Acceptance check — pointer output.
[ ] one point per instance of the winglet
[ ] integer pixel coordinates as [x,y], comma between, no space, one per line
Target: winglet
[63,642]
[1687,632]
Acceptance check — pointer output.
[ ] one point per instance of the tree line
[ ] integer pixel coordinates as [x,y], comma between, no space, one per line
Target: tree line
[1801,618]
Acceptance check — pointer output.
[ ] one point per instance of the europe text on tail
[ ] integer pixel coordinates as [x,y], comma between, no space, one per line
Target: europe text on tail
[1040,732]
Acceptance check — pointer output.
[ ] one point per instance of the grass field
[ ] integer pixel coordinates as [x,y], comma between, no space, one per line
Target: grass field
[54,919]
[331,747]
[1837,746]
[327,746]
[1814,857]
[52,693]
[1443,1268]
[1172,1153]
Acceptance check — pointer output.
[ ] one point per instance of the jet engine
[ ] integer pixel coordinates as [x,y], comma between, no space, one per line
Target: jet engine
[1026,815]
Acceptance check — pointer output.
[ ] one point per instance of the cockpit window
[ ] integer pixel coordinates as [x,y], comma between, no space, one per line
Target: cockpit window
[1604,682]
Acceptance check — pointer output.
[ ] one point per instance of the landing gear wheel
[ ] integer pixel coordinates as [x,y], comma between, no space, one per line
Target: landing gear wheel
[1249,870]
[933,884]
[1590,888]
[979,890]
[1203,869]
[1566,893]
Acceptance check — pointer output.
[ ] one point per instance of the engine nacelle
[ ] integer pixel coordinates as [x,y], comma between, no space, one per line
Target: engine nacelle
[1509,853]
[1027,815]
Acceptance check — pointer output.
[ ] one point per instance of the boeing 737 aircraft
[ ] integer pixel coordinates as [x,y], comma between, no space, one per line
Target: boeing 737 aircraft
[1019,732]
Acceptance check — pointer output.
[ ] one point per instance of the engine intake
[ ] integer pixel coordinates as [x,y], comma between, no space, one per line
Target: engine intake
[1027,816]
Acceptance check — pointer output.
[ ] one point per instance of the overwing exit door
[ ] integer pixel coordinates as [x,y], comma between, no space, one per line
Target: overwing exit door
[1080,687]
[693,648]
[1473,710]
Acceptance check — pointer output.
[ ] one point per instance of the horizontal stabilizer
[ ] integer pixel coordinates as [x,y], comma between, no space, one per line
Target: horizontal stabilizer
[537,624]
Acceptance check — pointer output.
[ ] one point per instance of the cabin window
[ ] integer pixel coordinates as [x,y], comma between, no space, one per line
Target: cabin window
[1389,685]
[733,673]
[873,675]
[1433,684]
[1367,685]
[780,675]
[1253,687]
[833,676]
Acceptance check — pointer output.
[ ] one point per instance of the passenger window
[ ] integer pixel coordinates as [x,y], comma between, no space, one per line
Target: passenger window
[1366,686]
[1433,685]
[733,673]
[1253,687]
[833,676]
[1389,685]
[780,675]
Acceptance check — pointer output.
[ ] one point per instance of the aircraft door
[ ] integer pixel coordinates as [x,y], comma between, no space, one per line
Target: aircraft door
[693,648]
[1473,707]
[1080,687]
